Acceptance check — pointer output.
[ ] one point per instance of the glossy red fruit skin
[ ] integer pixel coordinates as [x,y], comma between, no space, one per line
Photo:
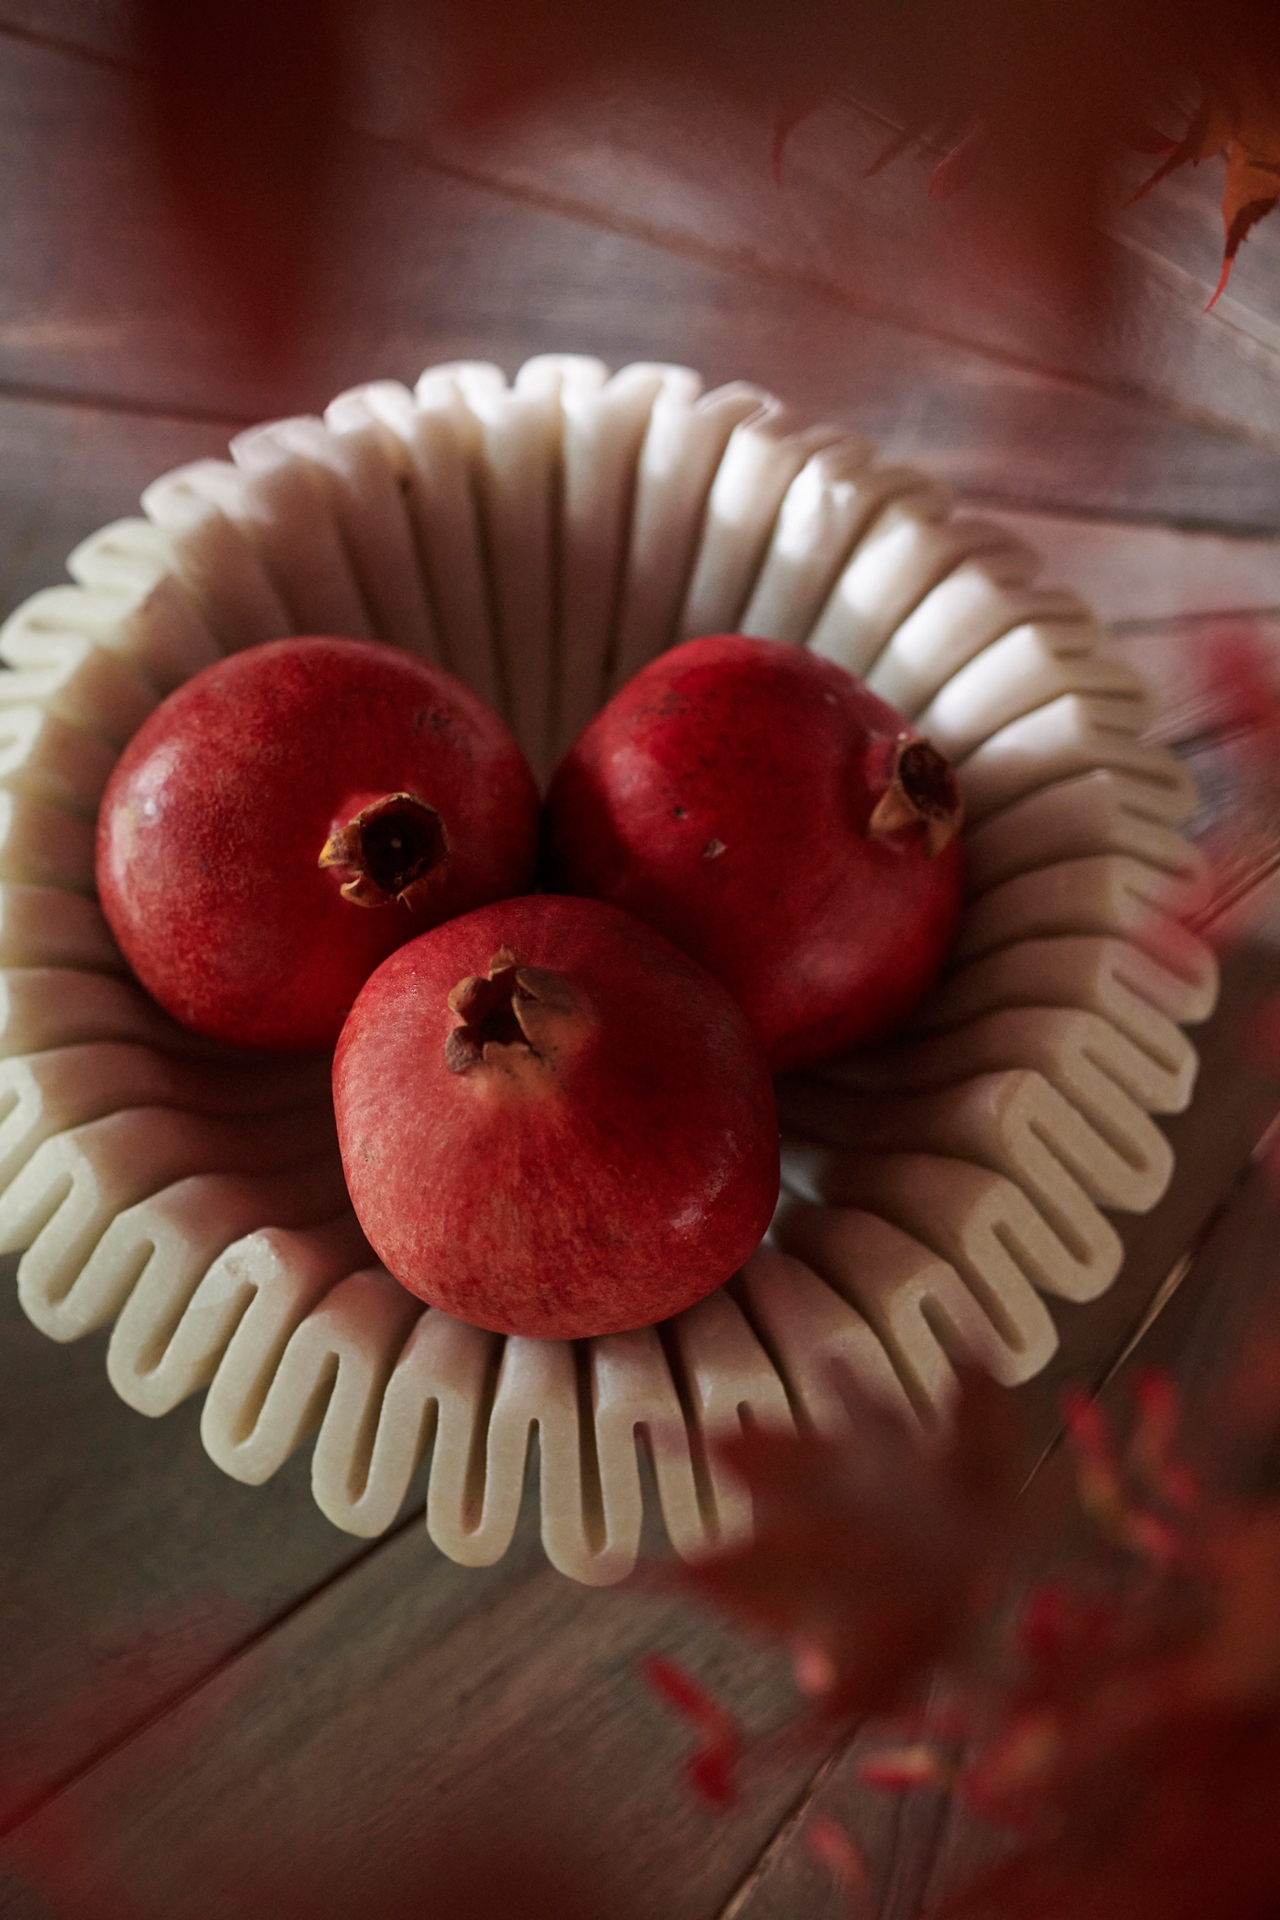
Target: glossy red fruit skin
[613,1181]
[725,796]
[213,822]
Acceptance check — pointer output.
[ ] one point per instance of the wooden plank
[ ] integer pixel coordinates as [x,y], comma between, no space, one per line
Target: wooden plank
[1006,438]
[99,29]
[1177,227]
[898,1838]
[130,1567]
[1152,575]
[1200,709]
[1180,223]
[66,470]
[97,302]
[391,79]
[1213,722]
[391,58]
[364,1760]
[1239,820]
[690,166]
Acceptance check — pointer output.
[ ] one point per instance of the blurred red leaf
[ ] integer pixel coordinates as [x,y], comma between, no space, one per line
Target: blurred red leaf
[1175,1821]
[901,1769]
[872,1555]
[1139,1744]
[842,1857]
[1124,1720]
[243,102]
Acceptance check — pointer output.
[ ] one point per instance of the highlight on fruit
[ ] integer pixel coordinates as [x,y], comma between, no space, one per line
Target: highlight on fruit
[780,823]
[553,1123]
[291,815]
[555,1110]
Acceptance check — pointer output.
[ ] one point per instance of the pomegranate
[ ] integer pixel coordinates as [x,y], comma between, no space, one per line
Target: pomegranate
[778,822]
[552,1123]
[290,816]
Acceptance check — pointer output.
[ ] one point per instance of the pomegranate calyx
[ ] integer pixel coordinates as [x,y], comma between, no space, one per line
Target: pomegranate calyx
[393,849]
[923,791]
[510,1014]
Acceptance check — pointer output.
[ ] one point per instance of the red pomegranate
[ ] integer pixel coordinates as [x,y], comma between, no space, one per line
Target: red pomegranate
[289,817]
[552,1123]
[778,822]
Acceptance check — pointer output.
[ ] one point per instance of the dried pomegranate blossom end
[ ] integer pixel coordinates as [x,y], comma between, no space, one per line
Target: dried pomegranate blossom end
[510,1016]
[923,791]
[392,849]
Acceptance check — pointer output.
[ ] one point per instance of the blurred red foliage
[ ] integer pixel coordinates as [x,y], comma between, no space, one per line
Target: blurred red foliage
[1043,95]
[242,103]
[871,1557]
[1122,1718]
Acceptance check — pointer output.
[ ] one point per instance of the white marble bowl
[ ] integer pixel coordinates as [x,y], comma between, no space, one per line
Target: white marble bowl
[543,540]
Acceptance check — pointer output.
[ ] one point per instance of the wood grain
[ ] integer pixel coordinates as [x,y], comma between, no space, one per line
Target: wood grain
[677,164]
[130,1568]
[66,470]
[97,29]
[376,1757]
[1144,579]
[98,302]
[626,154]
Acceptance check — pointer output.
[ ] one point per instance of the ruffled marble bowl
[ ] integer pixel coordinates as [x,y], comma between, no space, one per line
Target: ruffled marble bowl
[543,540]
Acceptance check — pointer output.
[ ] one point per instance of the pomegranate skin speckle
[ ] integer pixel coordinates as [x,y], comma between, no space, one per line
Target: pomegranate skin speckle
[777,821]
[290,816]
[553,1123]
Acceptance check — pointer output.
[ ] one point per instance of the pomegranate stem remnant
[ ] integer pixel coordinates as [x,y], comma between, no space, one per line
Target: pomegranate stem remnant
[391,848]
[922,792]
[501,1009]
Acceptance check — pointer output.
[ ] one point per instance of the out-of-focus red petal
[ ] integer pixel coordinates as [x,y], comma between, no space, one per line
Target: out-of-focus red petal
[903,1769]
[712,1767]
[840,1853]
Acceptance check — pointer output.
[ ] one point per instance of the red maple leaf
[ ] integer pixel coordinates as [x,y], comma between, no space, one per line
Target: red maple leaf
[1238,119]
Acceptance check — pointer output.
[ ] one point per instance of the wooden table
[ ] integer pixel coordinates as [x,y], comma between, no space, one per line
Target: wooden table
[214,1704]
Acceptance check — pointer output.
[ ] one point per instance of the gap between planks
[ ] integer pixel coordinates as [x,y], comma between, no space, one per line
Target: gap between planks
[819,287]
[70,49]
[786,1832]
[41,394]
[28,1809]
